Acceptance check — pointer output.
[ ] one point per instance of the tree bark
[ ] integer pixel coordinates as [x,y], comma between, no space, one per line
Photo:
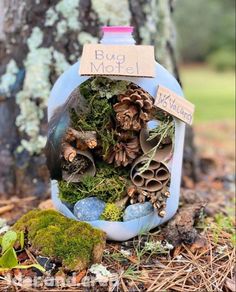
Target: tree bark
[23,172]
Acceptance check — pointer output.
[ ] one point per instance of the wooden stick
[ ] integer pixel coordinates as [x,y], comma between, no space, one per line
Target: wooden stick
[7,208]
[68,151]
[84,140]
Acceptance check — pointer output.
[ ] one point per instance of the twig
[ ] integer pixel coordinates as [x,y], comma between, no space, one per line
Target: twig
[6,208]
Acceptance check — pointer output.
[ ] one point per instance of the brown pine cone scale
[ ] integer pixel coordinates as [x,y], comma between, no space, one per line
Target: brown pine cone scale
[124,152]
[134,108]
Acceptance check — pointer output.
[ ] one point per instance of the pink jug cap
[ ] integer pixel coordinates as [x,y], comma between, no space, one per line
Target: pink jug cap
[118,29]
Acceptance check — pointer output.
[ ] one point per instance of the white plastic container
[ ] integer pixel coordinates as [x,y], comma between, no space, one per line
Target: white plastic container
[71,79]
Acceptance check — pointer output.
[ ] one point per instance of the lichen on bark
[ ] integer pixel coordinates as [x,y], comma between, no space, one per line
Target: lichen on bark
[32,99]
[117,13]
[9,78]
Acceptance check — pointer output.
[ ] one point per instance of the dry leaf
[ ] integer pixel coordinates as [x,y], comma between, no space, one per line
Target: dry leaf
[188,182]
[199,244]
[80,276]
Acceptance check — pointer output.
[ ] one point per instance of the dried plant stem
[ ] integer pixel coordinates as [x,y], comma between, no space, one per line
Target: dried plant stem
[151,153]
[69,152]
[84,139]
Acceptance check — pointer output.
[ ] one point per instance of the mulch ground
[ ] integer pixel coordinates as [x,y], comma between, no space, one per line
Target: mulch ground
[148,262]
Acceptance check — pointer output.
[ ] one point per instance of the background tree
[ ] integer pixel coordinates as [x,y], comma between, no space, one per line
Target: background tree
[38,40]
[214,40]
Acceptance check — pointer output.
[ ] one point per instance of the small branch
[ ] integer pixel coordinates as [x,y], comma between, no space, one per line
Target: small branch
[68,151]
[84,140]
[7,208]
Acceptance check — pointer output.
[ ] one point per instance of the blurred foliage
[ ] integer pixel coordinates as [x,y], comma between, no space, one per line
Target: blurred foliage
[204,28]
[224,223]
[222,59]
[211,91]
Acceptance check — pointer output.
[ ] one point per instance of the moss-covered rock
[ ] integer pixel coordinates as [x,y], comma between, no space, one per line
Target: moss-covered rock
[75,244]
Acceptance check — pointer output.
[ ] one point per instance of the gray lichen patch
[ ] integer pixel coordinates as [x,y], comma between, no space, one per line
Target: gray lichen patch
[165,29]
[61,63]
[70,15]
[51,17]
[85,37]
[32,99]
[148,29]
[117,13]
[9,78]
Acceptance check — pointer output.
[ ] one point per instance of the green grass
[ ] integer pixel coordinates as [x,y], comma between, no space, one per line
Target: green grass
[212,92]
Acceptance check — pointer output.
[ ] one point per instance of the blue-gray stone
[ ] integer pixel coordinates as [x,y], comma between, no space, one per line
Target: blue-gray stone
[89,209]
[137,210]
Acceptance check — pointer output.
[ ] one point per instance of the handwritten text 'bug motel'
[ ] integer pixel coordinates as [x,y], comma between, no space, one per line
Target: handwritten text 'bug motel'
[112,64]
[123,60]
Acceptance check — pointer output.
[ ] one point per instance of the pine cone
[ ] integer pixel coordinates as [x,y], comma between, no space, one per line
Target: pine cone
[134,108]
[124,152]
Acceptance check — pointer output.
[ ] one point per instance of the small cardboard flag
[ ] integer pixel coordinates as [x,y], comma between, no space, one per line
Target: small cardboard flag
[124,60]
[174,104]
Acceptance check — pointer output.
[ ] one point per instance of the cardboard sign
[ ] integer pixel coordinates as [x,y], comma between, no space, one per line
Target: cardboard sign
[174,104]
[124,60]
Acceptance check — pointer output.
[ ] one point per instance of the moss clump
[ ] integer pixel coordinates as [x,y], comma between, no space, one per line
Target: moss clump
[74,244]
[104,87]
[71,192]
[108,140]
[111,213]
[109,185]
[97,118]
[100,94]
[99,111]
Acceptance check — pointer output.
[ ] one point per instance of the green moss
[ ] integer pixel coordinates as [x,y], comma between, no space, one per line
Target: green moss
[111,213]
[53,235]
[107,88]
[100,93]
[108,140]
[97,118]
[109,185]
[96,91]
[70,192]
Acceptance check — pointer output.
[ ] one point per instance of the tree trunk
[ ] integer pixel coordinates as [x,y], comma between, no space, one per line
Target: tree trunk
[38,41]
